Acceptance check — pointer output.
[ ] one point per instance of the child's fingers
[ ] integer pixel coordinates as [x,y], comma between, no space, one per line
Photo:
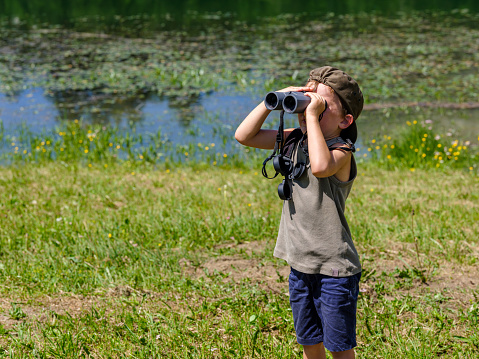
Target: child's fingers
[296,89]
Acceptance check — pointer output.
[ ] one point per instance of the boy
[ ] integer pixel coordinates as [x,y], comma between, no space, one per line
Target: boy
[314,236]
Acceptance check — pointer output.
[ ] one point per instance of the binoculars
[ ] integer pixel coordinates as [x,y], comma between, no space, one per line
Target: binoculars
[290,102]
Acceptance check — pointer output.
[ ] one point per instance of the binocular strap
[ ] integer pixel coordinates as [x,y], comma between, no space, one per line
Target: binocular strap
[340,140]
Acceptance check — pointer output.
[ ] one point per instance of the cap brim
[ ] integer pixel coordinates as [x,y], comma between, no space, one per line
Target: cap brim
[351,132]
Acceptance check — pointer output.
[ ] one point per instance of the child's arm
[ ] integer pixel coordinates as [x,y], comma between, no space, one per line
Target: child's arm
[324,163]
[249,132]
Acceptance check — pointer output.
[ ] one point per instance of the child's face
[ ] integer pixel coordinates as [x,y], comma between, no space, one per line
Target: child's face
[332,116]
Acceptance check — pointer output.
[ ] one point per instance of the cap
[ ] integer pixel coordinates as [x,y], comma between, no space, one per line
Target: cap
[348,92]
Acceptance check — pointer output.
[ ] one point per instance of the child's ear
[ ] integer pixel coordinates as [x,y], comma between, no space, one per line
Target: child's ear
[346,122]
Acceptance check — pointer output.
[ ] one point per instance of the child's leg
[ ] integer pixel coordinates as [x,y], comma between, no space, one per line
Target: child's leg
[347,354]
[314,351]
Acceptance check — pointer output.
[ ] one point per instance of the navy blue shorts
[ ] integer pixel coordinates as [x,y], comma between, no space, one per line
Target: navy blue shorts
[324,309]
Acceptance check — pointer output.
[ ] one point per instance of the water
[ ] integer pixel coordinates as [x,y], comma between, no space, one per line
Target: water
[209,116]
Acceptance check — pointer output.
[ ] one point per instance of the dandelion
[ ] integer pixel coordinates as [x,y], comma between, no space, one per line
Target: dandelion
[214,163]
[369,149]
[423,155]
[90,165]
[408,123]
[105,165]
[110,144]
[141,157]
[167,171]
[61,149]
[388,157]
[414,122]
[118,147]
[109,235]
[377,147]
[471,168]
[25,152]
[133,173]
[80,141]
[249,204]
[219,188]
[207,148]
[86,151]
[43,143]
[392,146]
[439,145]
[225,155]
[373,141]
[412,169]
[372,189]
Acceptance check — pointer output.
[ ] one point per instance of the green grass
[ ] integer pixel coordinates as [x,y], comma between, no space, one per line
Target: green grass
[109,263]
[107,254]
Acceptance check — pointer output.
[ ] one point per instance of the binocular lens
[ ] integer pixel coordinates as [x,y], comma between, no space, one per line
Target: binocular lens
[283,165]
[274,100]
[295,102]
[284,191]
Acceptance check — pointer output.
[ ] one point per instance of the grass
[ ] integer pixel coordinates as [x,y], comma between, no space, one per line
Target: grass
[138,260]
[121,245]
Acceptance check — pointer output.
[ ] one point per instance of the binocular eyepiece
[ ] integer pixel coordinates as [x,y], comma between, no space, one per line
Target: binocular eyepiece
[290,102]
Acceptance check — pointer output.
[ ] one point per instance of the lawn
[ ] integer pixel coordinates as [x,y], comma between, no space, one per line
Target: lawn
[106,262]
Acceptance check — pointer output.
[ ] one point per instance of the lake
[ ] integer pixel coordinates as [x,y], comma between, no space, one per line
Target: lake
[194,71]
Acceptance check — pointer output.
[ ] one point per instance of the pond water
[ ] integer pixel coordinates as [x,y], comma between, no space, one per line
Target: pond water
[212,114]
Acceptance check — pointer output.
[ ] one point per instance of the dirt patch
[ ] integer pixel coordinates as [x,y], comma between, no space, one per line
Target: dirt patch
[245,267]
[41,309]
[251,270]
[458,284]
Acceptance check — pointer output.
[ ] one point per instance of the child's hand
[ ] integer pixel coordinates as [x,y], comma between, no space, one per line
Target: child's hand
[296,89]
[317,105]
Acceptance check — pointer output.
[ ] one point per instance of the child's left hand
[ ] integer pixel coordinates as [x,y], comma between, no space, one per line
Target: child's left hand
[317,105]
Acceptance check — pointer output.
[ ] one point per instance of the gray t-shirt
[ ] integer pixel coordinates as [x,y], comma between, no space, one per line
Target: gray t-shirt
[314,236]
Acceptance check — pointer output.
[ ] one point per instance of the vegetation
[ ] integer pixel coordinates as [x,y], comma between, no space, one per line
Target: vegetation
[107,254]
[120,244]
[390,56]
